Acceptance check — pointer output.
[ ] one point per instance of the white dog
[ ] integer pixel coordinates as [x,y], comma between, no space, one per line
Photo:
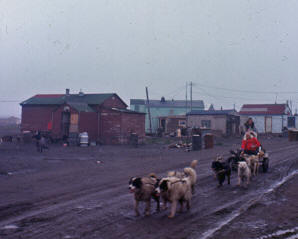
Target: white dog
[244,173]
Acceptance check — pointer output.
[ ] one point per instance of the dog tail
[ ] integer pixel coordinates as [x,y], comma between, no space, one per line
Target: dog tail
[171,174]
[152,175]
[194,164]
[191,173]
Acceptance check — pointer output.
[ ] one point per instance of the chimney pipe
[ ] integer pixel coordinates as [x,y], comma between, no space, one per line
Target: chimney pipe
[67,92]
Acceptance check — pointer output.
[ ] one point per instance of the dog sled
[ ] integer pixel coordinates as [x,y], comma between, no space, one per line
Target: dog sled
[236,157]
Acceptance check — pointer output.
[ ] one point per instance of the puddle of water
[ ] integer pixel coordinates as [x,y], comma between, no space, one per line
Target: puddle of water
[282,233]
[24,171]
[89,207]
[10,227]
[293,237]
[67,236]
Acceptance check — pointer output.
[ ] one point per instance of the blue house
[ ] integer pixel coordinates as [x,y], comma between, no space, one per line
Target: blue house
[163,107]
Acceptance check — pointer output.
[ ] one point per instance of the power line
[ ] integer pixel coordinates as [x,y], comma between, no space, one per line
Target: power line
[217,97]
[248,91]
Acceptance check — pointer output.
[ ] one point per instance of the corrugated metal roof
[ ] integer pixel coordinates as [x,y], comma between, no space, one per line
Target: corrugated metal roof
[168,103]
[211,112]
[90,99]
[81,107]
[263,109]
[127,111]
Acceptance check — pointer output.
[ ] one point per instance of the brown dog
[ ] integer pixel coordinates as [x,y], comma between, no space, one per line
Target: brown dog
[253,162]
[144,189]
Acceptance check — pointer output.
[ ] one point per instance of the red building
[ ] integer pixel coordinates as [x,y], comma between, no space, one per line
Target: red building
[104,116]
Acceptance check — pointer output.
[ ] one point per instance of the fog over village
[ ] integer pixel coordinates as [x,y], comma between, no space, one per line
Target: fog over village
[148,119]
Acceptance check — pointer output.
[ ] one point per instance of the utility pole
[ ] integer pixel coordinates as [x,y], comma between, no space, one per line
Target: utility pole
[191,96]
[149,114]
[186,98]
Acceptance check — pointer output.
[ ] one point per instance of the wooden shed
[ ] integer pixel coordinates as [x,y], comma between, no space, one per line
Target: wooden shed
[224,122]
[104,116]
[268,118]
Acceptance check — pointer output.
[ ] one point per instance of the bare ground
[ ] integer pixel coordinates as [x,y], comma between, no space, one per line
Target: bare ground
[83,193]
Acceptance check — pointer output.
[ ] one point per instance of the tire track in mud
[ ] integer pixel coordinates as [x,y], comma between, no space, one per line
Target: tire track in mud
[244,207]
[115,216]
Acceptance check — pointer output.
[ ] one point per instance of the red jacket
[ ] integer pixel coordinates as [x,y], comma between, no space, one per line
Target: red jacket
[250,144]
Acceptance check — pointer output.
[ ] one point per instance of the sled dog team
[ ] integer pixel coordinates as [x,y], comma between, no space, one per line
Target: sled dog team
[247,168]
[178,187]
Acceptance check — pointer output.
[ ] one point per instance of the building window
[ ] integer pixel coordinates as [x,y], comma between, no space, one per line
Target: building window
[137,108]
[182,123]
[206,123]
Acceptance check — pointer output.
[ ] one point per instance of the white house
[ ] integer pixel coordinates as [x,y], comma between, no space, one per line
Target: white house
[268,118]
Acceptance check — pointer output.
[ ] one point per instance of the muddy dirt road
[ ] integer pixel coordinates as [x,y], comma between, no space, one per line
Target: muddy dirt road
[83,193]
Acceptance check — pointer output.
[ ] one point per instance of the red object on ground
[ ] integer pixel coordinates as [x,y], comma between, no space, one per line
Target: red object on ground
[50,126]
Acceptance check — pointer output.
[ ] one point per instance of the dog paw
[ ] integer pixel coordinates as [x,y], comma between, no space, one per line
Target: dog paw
[147,213]
[137,213]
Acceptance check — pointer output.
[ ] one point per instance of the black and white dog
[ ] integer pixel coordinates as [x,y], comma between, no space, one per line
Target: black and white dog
[221,169]
[143,189]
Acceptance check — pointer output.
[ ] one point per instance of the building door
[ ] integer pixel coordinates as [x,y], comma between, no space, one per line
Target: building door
[268,124]
[163,124]
[65,121]
[291,122]
[229,128]
[74,123]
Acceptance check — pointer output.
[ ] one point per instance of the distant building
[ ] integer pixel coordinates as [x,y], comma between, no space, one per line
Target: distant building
[268,118]
[163,107]
[104,116]
[170,124]
[222,122]
[10,121]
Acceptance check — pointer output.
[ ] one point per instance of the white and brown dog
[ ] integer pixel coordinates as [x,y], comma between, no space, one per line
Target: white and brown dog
[144,189]
[253,162]
[178,188]
[244,173]
[188,171]
[174,190]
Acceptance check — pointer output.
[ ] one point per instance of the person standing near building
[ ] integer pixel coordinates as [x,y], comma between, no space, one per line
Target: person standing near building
[249,125]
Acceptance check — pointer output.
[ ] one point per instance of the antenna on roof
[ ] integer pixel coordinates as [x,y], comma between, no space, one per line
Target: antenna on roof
[276,97]
[81,93]
[67,92]
[148,107]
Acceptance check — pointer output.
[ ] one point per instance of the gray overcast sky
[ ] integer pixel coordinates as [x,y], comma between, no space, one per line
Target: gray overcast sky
[124,45]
